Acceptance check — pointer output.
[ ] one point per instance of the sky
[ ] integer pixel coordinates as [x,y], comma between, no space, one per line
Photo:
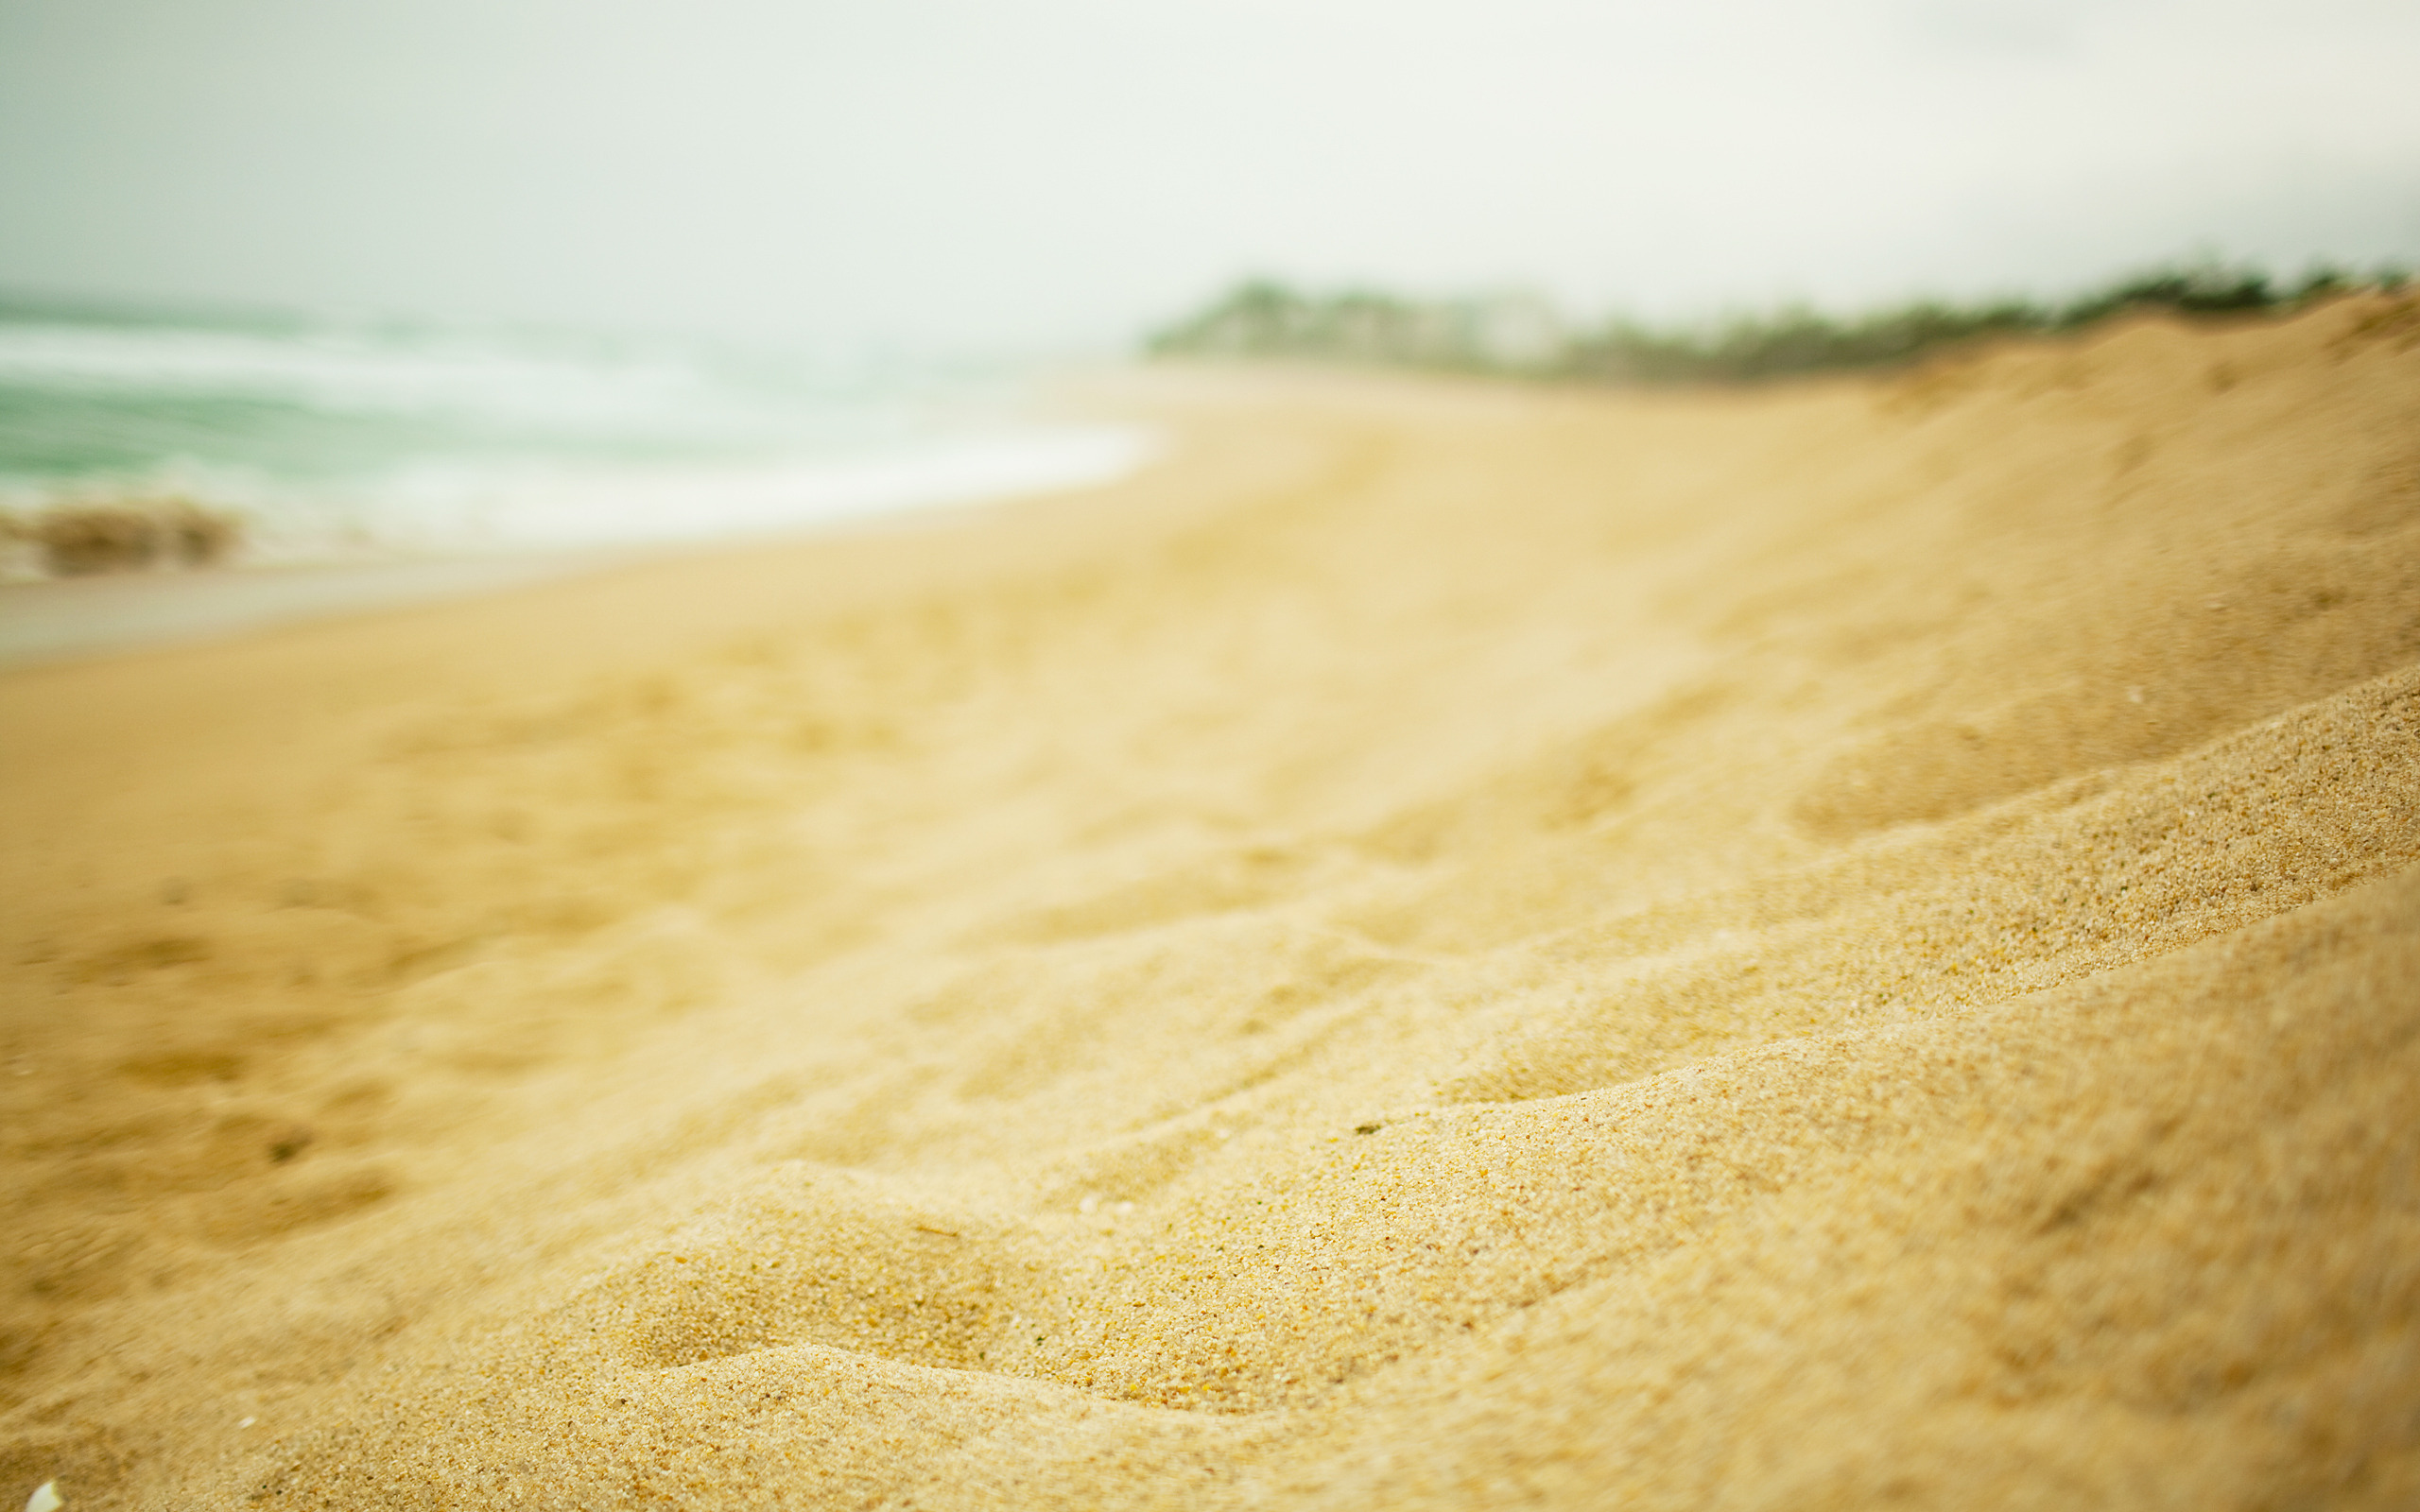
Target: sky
[1042,175]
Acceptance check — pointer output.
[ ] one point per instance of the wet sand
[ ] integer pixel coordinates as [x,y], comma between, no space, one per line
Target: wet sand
[1447,945]
[74,618]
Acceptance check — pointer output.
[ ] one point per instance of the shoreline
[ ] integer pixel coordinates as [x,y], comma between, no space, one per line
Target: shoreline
[1440,943]
[59,620]
[53,620]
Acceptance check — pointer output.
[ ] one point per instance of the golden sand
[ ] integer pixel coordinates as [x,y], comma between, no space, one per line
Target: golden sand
[1449,946]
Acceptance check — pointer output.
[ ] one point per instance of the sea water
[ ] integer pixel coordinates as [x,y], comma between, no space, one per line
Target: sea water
[345,440]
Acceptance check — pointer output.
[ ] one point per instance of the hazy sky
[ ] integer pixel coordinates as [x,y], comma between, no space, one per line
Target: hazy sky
[988,172]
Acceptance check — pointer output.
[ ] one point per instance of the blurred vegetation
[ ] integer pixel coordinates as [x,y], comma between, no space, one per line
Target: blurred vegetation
[83,537]
[1522,335]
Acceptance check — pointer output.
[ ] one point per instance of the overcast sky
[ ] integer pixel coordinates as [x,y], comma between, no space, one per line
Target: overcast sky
[988,173]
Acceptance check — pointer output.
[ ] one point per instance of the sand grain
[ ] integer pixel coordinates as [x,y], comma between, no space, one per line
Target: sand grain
[1449,945]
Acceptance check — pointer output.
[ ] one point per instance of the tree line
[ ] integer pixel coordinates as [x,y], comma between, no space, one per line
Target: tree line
[1522,334]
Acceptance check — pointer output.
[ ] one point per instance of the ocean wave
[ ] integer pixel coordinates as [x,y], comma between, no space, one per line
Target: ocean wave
[329,441]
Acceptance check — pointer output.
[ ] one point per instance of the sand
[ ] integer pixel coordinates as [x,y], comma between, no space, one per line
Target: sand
[1447,945]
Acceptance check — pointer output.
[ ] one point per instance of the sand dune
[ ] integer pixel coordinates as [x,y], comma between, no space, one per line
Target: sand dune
[1449,945]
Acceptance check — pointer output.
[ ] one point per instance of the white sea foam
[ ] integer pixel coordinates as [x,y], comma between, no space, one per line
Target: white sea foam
[545,504]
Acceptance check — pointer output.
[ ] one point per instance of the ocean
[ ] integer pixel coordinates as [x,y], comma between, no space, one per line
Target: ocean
[340,441]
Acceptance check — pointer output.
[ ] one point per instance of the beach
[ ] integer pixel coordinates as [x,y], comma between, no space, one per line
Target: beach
[1446,943]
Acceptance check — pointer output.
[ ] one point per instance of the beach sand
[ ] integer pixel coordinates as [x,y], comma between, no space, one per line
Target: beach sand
[1447,945]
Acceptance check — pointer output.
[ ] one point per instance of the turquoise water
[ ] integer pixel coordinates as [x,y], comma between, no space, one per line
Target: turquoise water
[342,439]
